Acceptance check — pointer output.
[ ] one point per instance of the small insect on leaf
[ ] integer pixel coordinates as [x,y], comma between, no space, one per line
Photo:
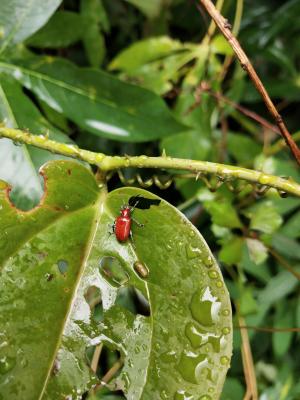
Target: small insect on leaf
[142,203]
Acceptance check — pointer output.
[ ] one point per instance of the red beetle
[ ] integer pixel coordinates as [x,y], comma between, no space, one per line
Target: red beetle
[122,224]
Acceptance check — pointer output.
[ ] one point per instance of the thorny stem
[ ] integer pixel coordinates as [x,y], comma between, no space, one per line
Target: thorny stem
[225,28]
[110,163]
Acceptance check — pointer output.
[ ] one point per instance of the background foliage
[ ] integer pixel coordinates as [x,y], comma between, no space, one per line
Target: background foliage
[163,49]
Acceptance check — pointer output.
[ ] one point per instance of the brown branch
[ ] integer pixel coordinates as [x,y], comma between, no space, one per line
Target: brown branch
[267,329]
[243,110]
[248,365]
[225,28]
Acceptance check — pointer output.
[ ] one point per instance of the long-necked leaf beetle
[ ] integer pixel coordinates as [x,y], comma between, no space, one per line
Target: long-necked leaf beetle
[122,224]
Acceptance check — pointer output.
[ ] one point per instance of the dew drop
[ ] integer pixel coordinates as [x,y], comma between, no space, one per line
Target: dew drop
[219,284]
[183,395]
[226,331]
[169,356]
[213,274]
[225,312]
[208,262]
[6,364]
[192,252]
[205,307]
[205,397]
[224,360]
[192,365]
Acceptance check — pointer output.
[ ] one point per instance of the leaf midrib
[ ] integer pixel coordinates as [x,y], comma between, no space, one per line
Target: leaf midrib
[82,92]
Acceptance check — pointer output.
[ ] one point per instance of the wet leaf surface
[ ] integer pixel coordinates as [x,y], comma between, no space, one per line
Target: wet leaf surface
[52,256]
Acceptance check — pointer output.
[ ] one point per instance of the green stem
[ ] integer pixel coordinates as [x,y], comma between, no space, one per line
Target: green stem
[280,144]
[110,163]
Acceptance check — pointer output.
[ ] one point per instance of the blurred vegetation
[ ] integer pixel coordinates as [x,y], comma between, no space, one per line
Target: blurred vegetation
[162,45]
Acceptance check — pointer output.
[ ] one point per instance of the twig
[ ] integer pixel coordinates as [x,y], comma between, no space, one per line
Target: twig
[225,28]
[96,356]
[248,365]
[235,31]
[284,263]
[267,329]
[251,114]
[111,163]
[109,374]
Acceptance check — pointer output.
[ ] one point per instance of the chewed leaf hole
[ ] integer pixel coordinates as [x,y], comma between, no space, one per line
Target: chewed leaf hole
[22,200]
[133,300]
[113,272]
[93,296]
[62,266]
[107,364]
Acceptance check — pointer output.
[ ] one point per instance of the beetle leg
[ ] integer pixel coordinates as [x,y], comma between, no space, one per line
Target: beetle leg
[131,238]
[138,223]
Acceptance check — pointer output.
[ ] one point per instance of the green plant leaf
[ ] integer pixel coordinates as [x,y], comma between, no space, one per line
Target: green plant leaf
[96,101]
[20,163]
[284,318]
[223,213]
[258,252]
[264,217]
[144,52]
[150,8]
[62,30]
[19,19]
[53,255]
[96,21]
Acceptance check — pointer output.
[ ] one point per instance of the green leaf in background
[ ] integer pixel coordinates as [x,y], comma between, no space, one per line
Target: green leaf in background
[96,22]
[190,145]
[54,254]
[264,217]
[258,252]
[144,52]
[292,228]
[62,30]
[284,318]
[20,164]
[286,246]
[243,148]
[252,260]
[231,251]
[96,101]
[150,8]
[223,213]
[155,63]
[19,19]
[278,287]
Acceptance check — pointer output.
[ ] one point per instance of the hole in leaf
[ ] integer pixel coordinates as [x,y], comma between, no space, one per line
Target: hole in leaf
[133,300]
[113,272]
[93,296]
[106,363]
[62,266]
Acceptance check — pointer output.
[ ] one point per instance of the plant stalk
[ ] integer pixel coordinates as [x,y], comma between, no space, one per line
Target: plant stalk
[225,28]
[110,163]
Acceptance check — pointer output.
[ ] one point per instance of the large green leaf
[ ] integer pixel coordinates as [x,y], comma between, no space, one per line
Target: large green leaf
[95,100]
[19,164]
[52,256]
[63,29]
[19,19]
